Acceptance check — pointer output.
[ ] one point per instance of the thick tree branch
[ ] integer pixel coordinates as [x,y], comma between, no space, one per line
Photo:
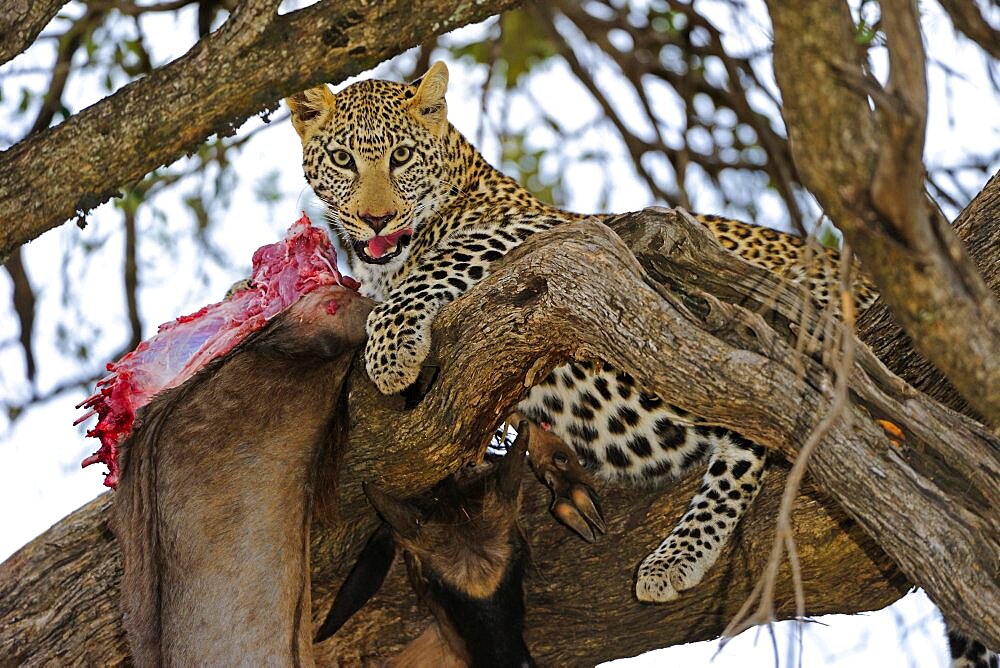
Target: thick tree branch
[20,23]
[866,171]
[579,291]
[976,227]
[70,576]
[239,70]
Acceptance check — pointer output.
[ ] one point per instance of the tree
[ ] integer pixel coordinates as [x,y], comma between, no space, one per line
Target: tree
[957,500]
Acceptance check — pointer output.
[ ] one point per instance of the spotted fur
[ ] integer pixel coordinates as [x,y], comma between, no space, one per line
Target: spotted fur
[454,215]
[967,653]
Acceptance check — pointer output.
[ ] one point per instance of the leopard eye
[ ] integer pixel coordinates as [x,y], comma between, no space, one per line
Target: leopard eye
[342,158]
[401,155]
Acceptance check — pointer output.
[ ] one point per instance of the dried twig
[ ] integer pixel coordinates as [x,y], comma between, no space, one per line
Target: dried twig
[784,541]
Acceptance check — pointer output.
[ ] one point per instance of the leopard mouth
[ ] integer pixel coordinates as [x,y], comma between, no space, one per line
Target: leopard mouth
[383,249]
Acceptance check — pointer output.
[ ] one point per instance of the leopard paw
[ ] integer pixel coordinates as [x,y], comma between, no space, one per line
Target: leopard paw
[394,355]
[663,576]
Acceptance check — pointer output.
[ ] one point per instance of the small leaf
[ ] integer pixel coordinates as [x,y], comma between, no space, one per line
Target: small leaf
[25,102]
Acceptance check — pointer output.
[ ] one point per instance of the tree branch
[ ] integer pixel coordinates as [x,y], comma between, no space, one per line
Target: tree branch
[20,23]
[967,18]
[70,577]
[130,275]
[867,173]
[898,188]
[228,76]
[889,342]
[642,62]
[23,302]
[673,321]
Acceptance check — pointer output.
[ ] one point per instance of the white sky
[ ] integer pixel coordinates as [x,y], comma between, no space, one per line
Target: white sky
[41,480]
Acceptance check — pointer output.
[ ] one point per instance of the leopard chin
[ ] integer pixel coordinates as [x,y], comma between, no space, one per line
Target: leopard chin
[361,250]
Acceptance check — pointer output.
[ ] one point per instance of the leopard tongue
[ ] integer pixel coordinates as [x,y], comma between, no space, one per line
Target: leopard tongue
[377,246]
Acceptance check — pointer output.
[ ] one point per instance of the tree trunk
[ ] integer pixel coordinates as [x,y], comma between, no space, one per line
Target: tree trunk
[866,169]
[672,318]
[978,226]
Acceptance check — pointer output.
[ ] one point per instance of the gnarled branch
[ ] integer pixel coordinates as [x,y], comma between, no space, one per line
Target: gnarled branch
[671,318]
[976,227]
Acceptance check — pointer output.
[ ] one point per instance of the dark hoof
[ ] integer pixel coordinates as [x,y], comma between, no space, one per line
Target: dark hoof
[574,502]
[585,499]
[569,516]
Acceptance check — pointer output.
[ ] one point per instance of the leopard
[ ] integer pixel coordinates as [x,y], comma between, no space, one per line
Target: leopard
[424,217]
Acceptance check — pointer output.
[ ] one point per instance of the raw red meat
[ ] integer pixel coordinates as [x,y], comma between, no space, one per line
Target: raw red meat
[282,272]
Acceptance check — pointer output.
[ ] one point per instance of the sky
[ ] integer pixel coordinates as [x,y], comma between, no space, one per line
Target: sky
[42,480]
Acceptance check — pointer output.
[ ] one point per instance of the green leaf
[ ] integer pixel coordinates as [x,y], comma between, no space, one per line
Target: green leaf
[827,236]
[864,35]
[25,102]
[268,188]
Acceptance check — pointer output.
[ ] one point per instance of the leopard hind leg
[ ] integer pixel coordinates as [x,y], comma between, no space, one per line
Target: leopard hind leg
[736,468]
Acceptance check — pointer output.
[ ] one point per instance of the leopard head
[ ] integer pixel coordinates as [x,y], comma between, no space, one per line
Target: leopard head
[374,153]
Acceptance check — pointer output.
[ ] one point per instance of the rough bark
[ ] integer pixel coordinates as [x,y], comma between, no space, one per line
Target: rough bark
[866,170]
[931,503]
[20,23]
[240,70]
[978,226]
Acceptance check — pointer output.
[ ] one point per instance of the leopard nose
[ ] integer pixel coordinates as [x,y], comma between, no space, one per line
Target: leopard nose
[377,222]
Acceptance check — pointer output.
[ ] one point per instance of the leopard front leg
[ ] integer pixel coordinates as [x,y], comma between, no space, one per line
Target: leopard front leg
[736,468]
[399,338]
[399,329]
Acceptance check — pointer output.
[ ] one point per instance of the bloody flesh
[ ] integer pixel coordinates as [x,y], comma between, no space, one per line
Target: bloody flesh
[282,272]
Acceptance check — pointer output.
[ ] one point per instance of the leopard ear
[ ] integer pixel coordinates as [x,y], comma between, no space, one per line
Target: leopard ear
[428,103]
[309,108]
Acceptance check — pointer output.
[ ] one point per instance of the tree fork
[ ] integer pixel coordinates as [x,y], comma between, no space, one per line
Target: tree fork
[671,326]
[866,170]
[977,227]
